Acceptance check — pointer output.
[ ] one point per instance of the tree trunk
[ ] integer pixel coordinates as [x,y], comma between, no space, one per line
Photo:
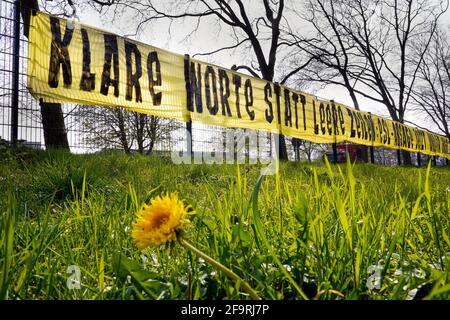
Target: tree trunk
[122,132]
[280,147]
[55,134]
[406,157]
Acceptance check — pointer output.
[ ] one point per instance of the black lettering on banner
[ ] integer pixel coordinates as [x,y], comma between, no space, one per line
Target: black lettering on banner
[210,78]
[322,117]
[187,82]
[329,119]
[404,136]
[196,86]
[334,118]
[237,86]
[87,82]
[411,138]
[224,92]
[408,135]
[59,55]
[370,128]
[380,130]
[153,81]
[424,141]
[316,125]
[419,141]
[431,139]
[295,99]
[341,120]
[386,132]
[249,98]
[277,96]
[414,137]
[358,125]
[287,109]
[352,124]
[111,53]
[445,145]
[363,126]
[396,134]
[303,102]
[403,142]
[267,95]
[131,49]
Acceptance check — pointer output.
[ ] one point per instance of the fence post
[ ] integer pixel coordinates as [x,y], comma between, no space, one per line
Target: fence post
[399,159]
[335,154]
[419,161]
[434,161]
[15,75]
[189,106]
[372,155]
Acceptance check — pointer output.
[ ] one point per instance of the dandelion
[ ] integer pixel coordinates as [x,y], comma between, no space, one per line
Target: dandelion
[163,222]
[159,222]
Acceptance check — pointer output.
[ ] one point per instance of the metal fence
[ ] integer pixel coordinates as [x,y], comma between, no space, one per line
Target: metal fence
[93,128]
[89,128]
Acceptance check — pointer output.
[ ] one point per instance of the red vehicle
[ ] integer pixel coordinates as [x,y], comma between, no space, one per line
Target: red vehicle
[355,151]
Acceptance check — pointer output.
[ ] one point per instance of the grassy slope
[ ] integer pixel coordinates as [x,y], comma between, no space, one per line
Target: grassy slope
[329,227]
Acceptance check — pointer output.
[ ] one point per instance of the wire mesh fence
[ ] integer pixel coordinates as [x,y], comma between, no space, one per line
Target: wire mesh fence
[92,129]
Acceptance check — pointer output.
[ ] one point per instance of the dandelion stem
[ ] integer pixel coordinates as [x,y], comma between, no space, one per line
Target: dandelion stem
[233,276]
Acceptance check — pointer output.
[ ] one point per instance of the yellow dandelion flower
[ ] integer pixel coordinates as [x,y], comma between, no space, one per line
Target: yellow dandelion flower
[158,222]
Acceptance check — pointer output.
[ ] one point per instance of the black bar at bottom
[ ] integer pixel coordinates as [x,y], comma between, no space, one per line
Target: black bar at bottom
[399,159]
[419,161]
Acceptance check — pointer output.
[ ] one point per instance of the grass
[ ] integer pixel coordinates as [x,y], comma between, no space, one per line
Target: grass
[313,231]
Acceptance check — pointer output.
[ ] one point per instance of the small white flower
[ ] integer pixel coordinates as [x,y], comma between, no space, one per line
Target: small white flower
[107,289]
[287,267]
[419,274]
[144,261]
[411,294]
[398,272]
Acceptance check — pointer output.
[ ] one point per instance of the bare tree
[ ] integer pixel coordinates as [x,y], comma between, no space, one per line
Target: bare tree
[308,149]
[117,128]
[377,40]
[328,52]
[432,94]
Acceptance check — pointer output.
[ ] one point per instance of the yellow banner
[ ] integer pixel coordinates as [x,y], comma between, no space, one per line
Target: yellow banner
[88,66]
